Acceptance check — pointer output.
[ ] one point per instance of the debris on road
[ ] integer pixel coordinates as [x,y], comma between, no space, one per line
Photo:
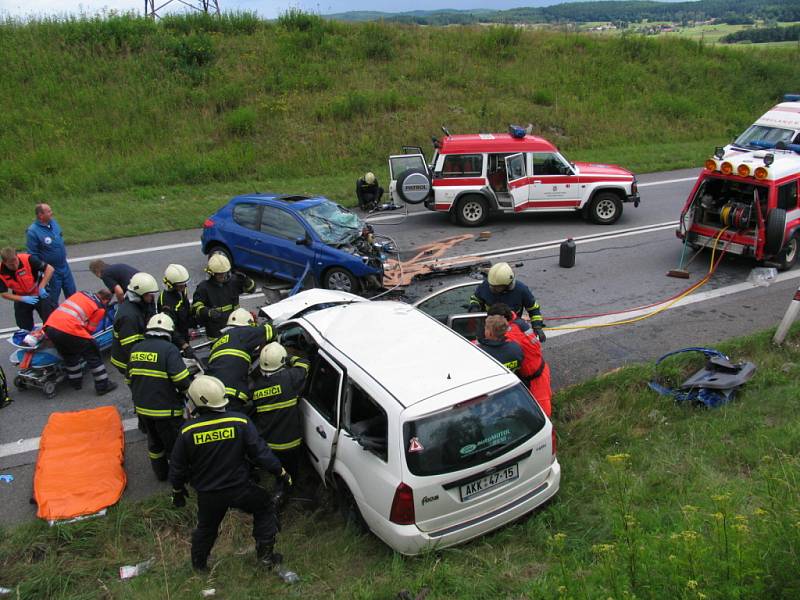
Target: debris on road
[7,478]
[762,276]
[429,261]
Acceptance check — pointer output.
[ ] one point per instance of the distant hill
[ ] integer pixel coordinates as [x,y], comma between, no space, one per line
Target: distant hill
[609,10]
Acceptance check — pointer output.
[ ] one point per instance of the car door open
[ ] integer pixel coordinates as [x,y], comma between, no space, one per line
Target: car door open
[320,409]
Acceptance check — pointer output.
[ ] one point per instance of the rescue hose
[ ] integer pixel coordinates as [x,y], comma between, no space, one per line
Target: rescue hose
[663,304]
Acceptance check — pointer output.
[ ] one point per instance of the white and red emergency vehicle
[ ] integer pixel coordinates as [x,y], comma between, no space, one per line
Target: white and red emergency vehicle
[780,124]
[472,176]
[748,203]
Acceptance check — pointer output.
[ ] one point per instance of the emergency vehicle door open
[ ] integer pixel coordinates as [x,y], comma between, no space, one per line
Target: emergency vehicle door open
[516,175]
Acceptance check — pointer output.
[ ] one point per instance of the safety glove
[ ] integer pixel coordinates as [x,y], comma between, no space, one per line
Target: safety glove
[44,294]
[540,334]
[179,497]
[285,478]
[29,300]
[188,351]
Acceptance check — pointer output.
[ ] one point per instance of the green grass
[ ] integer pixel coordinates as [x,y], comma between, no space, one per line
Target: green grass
[658,500]
[99,114]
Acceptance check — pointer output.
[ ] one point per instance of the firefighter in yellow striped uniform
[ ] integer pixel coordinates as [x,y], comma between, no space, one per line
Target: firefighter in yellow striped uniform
[158,378]
[275,388]
[232,354]
[131,318]
[217,297]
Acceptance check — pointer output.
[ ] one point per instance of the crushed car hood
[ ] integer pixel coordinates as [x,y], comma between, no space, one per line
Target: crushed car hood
[293,305]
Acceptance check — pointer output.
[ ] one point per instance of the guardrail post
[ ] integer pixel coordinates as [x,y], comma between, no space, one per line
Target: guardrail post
[788,319]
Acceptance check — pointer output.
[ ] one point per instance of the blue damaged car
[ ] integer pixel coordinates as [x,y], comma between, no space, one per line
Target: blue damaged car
[293,237]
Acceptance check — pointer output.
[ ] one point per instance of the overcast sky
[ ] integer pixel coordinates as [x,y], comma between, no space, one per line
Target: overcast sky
[266,8]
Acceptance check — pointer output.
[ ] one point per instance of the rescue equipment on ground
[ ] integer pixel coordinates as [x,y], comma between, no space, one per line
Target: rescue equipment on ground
[713,385]
[566,256]
[79,470]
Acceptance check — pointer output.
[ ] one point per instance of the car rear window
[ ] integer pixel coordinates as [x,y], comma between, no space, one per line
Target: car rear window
[472,432]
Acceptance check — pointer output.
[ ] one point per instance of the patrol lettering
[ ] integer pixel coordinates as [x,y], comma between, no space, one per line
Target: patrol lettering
[150,357]
[223,340]
[215,435]
[267,392]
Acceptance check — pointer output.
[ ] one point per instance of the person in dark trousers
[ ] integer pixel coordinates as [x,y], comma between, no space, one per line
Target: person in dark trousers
[368,192]
[218,296]
[5,399]
[501,286]
[274,391]
[70,328]
[174,300]
[534,372]
[495,344]
[131,319]
[45,241]
[233,353]
[115,277]
[158,378]
[23,280]
[213,452]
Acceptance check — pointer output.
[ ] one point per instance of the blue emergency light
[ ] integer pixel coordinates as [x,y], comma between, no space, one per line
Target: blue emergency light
[516,131]
[791,97]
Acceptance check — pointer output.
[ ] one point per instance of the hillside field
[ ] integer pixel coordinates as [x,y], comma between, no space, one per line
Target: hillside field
[173,117]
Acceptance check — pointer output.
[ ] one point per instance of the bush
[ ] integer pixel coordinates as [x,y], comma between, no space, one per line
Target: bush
[376,42]
[241,121]
[295,19]
[499,40]
[194,51]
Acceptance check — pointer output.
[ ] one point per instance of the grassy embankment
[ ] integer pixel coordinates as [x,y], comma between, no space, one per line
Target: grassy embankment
[658,500]
[128,126]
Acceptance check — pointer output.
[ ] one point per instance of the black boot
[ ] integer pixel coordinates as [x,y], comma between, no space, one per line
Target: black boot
[101,389]
[266,556]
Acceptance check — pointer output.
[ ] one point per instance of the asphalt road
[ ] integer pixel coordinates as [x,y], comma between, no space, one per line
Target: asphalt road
[618,267]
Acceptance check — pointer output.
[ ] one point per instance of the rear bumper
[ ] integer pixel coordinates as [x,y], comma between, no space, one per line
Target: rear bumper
[708,242]
[409,540]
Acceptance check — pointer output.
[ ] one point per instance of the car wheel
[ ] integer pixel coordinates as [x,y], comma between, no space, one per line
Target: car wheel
[220,249]
[49,389]
[348,507]
[413,186]
[19,383]
[605,209]
[788,256]
[340,279]
[472,211]
[775,230]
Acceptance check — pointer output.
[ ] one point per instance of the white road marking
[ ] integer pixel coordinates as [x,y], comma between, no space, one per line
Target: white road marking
[31,444]
[137,251]
[682,179]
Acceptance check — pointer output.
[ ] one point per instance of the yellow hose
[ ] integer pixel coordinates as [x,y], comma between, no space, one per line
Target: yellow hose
[660,309]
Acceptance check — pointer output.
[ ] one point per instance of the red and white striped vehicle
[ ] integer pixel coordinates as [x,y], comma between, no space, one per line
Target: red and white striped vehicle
[472,176]
[747,203]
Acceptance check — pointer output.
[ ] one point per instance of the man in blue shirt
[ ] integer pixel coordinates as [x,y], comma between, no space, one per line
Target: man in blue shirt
[46,242]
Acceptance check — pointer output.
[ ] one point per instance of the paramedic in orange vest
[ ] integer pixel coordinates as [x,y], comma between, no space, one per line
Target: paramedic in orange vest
[23,280]
[70,328]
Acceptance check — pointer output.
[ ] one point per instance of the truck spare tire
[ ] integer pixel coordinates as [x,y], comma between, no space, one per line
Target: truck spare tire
[775,230]
[413,186]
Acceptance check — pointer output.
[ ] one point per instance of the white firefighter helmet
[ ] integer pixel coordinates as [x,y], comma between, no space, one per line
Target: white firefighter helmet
[218,263]
[161,322]
[369,178]
[175,275]
[143,283]
[272,358]
[501,274]
[241,317]
[207,392]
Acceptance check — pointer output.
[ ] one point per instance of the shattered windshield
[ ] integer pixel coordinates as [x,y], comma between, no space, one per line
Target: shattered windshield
[334,224]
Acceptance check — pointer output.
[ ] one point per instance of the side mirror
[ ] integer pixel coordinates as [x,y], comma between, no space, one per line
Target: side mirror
[303,240]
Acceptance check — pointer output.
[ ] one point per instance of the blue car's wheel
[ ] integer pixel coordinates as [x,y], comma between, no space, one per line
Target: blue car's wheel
[340,279]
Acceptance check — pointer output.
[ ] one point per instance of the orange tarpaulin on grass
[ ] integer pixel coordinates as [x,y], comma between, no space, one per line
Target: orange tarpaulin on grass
[79,469]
